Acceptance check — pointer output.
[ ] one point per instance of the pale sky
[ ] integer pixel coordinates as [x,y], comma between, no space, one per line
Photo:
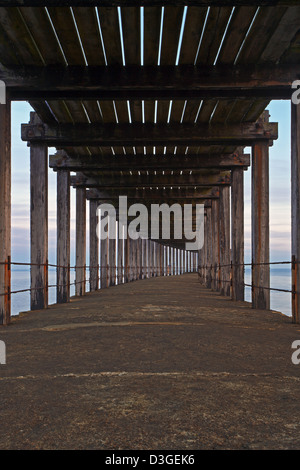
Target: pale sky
[280,206]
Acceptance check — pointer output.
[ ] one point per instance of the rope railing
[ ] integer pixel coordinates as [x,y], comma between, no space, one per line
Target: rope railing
[217,267]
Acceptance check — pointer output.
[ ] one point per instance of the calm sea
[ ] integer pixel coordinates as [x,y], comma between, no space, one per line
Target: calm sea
[280,278]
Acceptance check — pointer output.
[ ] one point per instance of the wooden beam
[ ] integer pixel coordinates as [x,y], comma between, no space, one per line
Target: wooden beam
[124,182]
[63,236]
[94,247]
[260,227]
[5,211]
[144,195]
[190,162]
[38,223]
[80,241]
[295,198]
[146,3]
[224,236]
[237,233]
[185,82]
[149,134]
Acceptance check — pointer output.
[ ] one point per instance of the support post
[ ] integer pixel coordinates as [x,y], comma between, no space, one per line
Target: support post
[63,236]
[215,245]
[94,246]
[295,168]
[237,233]
[260,226]
[224,226]
[38,222]
[80,241]
[5,210]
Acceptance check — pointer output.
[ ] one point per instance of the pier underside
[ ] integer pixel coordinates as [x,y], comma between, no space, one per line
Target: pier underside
[158,364]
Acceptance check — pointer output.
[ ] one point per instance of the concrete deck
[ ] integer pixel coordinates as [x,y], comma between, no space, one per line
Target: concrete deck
[155,364]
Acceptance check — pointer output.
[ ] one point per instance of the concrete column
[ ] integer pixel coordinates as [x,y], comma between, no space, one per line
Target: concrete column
[63,236]
[237,233]
[260,226]
[295,167]
[5,210]
[38,223]
[80,240]
[224,226]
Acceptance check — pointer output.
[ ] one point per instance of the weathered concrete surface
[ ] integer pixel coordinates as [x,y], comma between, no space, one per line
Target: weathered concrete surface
[161,363]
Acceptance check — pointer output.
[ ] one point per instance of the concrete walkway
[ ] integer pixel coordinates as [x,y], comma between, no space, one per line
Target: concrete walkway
[155,364]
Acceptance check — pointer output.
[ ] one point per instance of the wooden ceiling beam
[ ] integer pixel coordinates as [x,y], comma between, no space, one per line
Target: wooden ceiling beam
[150,82]
[61,160]
[107,135]
[121,182]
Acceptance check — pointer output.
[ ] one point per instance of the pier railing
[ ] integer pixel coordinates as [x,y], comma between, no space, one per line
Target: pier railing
[212,275]
[103,276]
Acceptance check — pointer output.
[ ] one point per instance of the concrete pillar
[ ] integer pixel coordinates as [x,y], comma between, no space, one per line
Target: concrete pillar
[80,240]
[237,233]
[295,167]
[260,226]
[224,226]
[5,210]
[63,236]
[38,223]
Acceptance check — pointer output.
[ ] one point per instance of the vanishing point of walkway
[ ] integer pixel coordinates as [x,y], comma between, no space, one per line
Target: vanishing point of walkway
[161,363]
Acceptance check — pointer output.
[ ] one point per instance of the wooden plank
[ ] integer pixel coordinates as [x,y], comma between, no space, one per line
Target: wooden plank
[265,24]
[18,38]
[213,34]
[152,18]
[170,36]
[238,27]
[131,35]
[87,25]
[111,34]
[37,22]
[194,23]
[66,31]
